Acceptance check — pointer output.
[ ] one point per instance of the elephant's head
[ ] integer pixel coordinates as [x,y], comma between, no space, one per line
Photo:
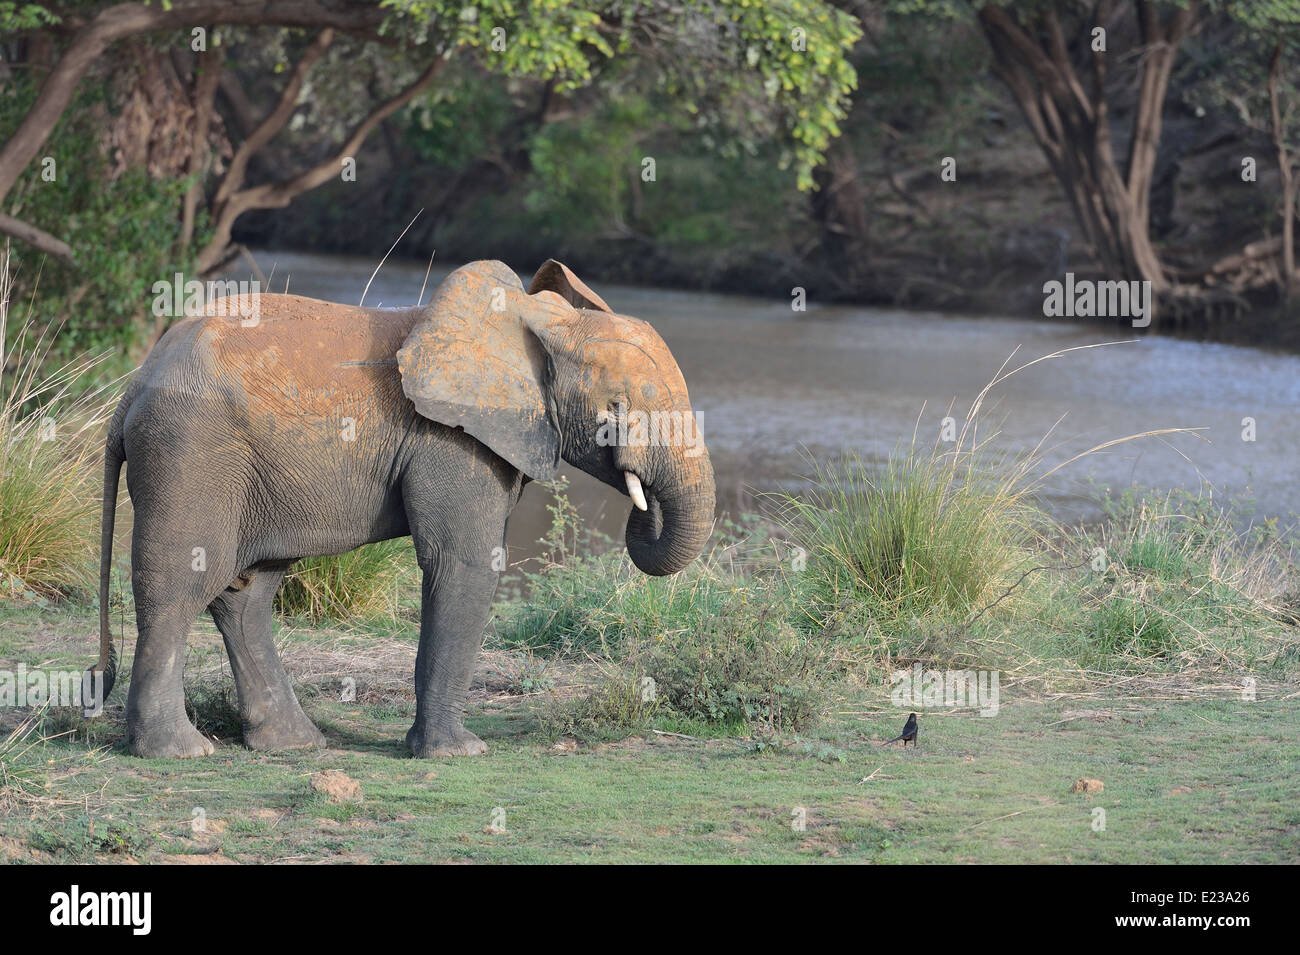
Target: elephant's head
[553,373]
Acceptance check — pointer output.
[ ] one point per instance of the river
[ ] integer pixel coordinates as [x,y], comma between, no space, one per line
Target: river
[771,385]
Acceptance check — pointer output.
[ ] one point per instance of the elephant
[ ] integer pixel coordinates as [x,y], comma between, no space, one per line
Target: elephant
[318,427]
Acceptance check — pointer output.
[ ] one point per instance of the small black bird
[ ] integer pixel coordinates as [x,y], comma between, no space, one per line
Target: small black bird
[908,734]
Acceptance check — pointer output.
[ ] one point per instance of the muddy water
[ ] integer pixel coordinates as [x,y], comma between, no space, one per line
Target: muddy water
[770,385]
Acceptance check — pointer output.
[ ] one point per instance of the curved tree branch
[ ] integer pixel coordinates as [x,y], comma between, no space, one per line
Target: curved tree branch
[37,238]
[279,194]
[130,19]
[274,121]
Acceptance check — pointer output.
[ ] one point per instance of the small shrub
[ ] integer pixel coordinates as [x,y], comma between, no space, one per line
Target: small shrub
[714,640]
[743,671]
[616,707]
[592,599]
[530,676]
[740,673]
[213,708]
[1127,624]
[931,534]
[85,837]
[603,604]
[1179,579]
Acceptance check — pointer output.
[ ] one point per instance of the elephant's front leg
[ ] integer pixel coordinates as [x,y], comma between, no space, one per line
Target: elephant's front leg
[456,601]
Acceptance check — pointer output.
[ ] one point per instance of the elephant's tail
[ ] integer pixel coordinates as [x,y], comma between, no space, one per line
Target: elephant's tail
[114,455]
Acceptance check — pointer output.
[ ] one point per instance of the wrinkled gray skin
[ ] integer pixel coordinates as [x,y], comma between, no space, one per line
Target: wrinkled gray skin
[324,427]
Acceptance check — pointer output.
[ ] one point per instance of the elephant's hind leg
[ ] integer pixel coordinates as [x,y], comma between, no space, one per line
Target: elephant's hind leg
[157,724]
[268,707]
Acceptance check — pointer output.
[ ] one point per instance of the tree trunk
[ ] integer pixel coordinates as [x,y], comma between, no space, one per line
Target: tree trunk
[207,74]
[1072,128]
[840,209]
[1286,172]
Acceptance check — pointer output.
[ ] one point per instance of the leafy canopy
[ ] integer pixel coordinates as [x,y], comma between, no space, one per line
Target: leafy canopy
[743,64]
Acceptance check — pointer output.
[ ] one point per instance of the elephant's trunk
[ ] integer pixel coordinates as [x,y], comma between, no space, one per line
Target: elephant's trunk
[674,528]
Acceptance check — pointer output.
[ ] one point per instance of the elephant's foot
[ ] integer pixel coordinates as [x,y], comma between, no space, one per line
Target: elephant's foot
[177,739]
[283,729]
[451,741]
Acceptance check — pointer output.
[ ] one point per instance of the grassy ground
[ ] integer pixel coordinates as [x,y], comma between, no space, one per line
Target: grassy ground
[730,712]
[1191,772]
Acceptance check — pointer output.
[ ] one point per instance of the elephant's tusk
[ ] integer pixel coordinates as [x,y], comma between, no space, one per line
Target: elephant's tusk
[634,490]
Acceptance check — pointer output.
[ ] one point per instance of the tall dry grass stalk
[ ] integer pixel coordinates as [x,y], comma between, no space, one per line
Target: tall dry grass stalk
[50,448]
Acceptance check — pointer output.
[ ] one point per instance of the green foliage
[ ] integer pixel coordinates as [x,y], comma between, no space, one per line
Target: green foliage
[745,669]
[1178,576]
[587,185]
[604,604]
[84,836]
[739,65]
[461,118]
[1268,16]
[796,49]
[711,645]
[25,16]
[543,39]
[614,708]
[1129,625]
[358,584]
[586,168]
[122,230]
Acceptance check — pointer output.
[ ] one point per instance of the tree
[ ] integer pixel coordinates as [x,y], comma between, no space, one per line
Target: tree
[95,29]
[1055,59]
[777,68]
[1059,81]
[1273,29]
[233,197]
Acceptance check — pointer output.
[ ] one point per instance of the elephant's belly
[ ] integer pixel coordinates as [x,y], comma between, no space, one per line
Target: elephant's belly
[284,525]
[294,543]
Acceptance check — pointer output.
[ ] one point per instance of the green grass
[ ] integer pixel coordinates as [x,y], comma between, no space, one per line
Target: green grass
[712,647]
[1173,579]
[931,534]
[690,718]
[361,583]
[1210,778]
[587,597]
[1167,587]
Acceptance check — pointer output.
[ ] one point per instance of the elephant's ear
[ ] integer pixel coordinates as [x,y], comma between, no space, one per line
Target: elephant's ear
[471,362]
[556,277]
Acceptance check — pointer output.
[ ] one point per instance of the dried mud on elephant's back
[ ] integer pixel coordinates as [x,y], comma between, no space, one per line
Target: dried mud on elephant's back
[306,359]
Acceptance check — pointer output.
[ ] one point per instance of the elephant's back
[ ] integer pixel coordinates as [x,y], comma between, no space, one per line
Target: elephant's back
[305,332]
[289,355]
